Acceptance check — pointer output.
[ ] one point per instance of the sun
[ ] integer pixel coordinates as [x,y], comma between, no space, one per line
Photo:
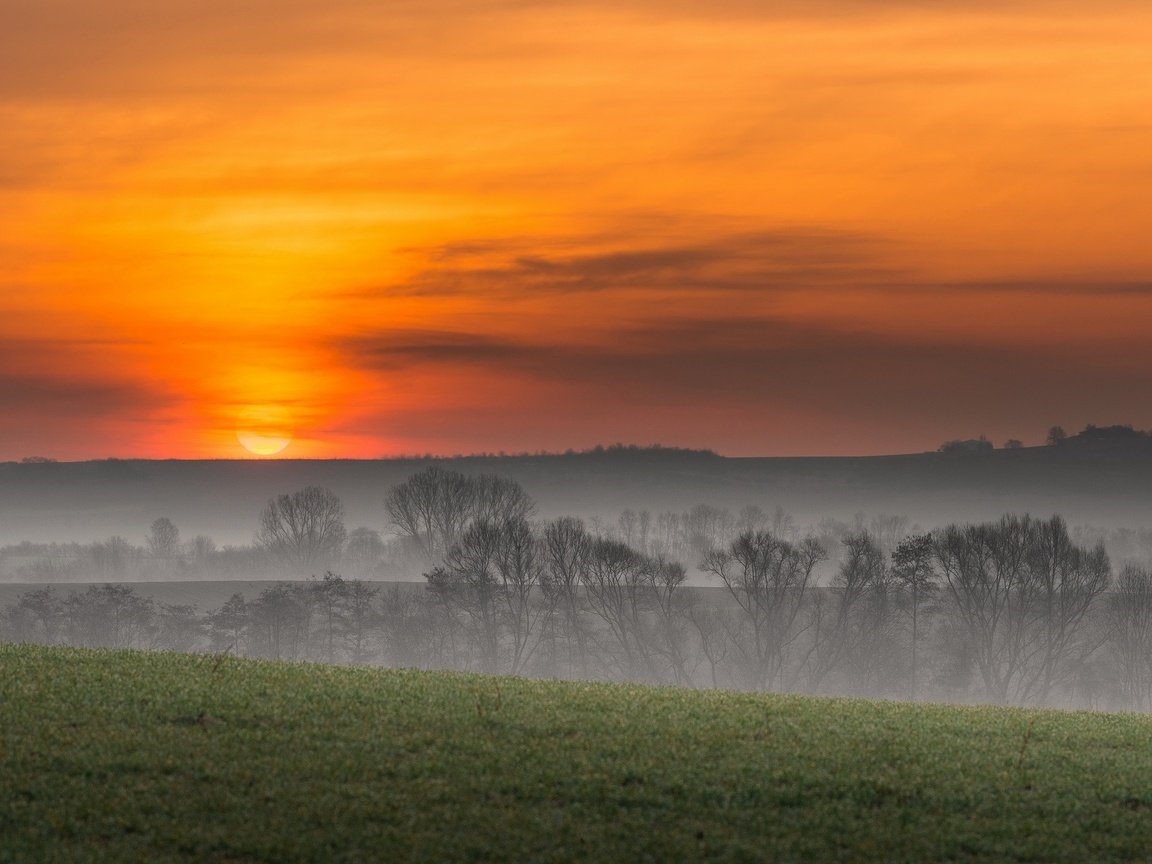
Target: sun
[264,430]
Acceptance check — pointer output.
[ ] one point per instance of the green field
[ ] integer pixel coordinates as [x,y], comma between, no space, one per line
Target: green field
[127,756]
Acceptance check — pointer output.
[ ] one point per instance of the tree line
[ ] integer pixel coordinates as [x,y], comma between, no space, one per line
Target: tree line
[1014,611]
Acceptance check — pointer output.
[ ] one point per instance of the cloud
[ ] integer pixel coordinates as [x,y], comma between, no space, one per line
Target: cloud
[58,399]
[729,376]
[68,391]
[758,261]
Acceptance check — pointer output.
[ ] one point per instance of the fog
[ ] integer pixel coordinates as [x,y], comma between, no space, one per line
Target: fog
[457,566]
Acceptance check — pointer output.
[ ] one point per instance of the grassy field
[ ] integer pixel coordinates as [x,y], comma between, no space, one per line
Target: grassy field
[125,756]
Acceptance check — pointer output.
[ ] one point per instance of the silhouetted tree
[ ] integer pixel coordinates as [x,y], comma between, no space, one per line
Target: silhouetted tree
[966,445]
[179,627]
[567,547]
[304,530]
[361,619]
[1023,590]
[1129,628]
[841,631]
[111,558]
[1056,436]
[432,509]
[201,549]
[364,551]
[279,621]
[108,616]
[163,539]
[913,570]
[163,544]
[228,625]
[616,590]
[493,576]
[328,596]
[38,616]
[768,578]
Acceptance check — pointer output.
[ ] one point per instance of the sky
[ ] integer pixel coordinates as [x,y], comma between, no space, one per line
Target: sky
[376,228]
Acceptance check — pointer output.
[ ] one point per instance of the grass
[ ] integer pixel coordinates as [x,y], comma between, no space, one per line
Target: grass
[127,756]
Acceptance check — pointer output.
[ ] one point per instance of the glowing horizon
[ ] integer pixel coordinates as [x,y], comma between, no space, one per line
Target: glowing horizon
[843,227]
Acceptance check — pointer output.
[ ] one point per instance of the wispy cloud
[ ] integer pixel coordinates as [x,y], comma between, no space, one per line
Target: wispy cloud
[757,261]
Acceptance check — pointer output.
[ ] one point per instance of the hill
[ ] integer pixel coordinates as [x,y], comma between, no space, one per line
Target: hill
[222,499]
[125,756]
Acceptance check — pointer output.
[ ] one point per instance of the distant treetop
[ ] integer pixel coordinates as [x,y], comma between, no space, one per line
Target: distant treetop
[959,446]
[598,450]
[1119,435]
[632,449]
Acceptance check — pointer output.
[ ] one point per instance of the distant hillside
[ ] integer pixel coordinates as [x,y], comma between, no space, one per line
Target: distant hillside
[92,500]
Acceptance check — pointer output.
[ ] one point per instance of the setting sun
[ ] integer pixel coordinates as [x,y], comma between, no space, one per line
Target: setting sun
[264,430]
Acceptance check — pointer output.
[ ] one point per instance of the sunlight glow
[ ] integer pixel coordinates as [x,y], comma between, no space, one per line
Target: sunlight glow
[264,430]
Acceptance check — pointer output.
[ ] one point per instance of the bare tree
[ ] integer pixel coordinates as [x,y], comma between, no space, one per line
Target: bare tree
[304,530]
[1023,590]
[109,616]
[432,509]
[279,621]
[364,551]
[164,540]
[616,591]
[493,577]
[179,627]
[913,571]
[843,631]
[768,579]
[567,547]
[38,616]
[328,596]
[1129,621]
[228,625]
[668,636]
[360,619]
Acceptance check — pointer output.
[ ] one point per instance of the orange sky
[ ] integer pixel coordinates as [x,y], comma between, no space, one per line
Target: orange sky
[847,226]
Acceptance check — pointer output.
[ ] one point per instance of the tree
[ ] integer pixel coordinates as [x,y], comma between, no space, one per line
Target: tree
[164,543]
[913,571]
[304,530]
[432,509]
[179,627]
[279,621]
[328,597]
[1130,635]
[360,619]
[1056,436]
[364,551]
[112,557]
[492,576]
[1013,444]
[38,616]
[109,616]
[960,446]
[844,636]
[768,578]
[1023,591]
[615,585]
[201,549]
[567,548]
[228,625]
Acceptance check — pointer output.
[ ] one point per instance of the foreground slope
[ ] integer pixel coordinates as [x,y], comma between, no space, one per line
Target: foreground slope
[130,756]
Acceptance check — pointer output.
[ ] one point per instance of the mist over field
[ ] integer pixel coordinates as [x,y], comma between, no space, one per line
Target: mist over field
[86,501]
[958,575]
